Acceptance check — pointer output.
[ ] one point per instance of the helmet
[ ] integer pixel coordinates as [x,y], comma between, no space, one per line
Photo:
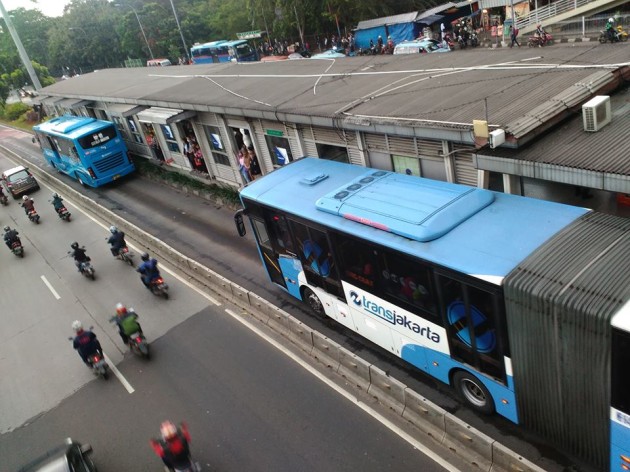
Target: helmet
[380,37]
[7,228]
[25,197]
[74,245]
[113,229]
[121,309]
[144,256]
[611,20]
[77,326]
[168,430]
[55,195]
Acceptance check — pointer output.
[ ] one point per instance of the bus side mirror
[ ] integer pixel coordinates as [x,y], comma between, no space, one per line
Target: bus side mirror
[238,221]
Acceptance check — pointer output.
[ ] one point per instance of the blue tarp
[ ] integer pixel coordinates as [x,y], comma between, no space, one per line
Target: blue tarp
[403,32]
[362,37]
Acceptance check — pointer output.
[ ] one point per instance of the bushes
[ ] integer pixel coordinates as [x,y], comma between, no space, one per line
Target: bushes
[227,195]
[14,111]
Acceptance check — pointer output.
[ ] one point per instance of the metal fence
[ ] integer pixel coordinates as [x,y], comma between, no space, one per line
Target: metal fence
[584,27]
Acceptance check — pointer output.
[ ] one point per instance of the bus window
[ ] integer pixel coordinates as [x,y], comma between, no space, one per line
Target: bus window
[317,261]
[282,242]
[357,262]
[408,283]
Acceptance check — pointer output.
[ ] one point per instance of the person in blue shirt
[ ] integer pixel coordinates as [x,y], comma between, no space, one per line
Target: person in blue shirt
[148,270]
[85,342]
[57,202]
[116,240]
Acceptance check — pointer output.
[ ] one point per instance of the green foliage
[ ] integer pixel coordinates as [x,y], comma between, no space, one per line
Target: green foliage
[14,111]
[227,195]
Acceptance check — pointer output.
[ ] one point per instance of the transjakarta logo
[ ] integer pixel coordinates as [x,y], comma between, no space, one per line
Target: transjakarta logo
[390,315]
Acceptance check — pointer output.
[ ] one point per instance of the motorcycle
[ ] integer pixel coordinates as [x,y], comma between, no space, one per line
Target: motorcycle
[474,40]
[17,249]
[33,216]
[4,200]
[190,466]
[63,213]
[86,269]
[126,256]
[462,42]
[159,288]
[541,41]
[139,345]
[616,35]
[99,365]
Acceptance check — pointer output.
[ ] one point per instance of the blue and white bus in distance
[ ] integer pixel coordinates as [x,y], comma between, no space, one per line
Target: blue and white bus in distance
[223,51]
[89,150]
[508,299]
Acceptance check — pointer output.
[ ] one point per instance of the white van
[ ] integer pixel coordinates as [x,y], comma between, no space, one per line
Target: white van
[158,63]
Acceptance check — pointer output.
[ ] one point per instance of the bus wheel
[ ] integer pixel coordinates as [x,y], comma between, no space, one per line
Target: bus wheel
[313,302]
[473,392]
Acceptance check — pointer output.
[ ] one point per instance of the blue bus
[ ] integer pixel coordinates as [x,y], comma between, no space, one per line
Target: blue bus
[89,150]
[223,51]
[521,305]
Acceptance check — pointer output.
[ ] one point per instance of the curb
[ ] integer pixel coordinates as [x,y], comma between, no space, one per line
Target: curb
[504,44]
[472,446]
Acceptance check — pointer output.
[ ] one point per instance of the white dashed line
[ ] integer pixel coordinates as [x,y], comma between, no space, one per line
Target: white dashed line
[50,287]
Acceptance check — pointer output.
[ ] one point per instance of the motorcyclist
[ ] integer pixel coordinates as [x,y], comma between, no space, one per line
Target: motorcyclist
[57,202]
[173,446]
[148,270]
[542,34]
[610,29]
[127,322]
[379,44]
[10,237]
[79,255]
[85,342]
[28,204]
[390,46]
[116,240]
[2,195]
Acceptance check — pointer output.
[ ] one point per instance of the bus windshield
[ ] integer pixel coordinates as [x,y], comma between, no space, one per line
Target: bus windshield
[97,138]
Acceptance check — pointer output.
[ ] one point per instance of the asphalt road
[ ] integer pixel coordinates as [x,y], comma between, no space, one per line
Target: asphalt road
[248,404]
[206,233]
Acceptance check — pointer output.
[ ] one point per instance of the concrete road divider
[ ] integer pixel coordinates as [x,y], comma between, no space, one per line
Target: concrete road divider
[479,450]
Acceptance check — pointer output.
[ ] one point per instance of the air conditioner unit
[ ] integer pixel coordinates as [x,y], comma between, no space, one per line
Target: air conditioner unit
[596,113]
[496,138]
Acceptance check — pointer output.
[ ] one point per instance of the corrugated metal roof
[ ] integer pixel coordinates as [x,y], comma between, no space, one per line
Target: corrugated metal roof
[515,89]
[604,151]
[387,20]
[560,303]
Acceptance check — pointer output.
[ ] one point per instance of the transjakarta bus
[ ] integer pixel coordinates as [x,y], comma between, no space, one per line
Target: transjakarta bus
[521,305]
[223,51]
[87,149]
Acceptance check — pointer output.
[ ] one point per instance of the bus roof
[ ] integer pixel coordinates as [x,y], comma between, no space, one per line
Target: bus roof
[473,231]
[210,44]
[235,42]
[71,126]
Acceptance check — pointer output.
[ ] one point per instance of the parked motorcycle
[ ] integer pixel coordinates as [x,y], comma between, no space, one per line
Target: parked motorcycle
[159,287]
[474,39]
[462,42]
[17,249]
[33,216]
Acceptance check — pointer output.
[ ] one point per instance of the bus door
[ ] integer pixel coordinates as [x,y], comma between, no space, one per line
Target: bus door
[269,256]
[53,151]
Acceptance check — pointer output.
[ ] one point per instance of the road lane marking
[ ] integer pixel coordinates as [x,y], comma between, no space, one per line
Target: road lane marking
[373,413]
[50,287]
[117,373]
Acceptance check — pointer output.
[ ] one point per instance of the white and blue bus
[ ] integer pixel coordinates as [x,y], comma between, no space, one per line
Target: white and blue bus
[522,305]
[239,50]
[89,150]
